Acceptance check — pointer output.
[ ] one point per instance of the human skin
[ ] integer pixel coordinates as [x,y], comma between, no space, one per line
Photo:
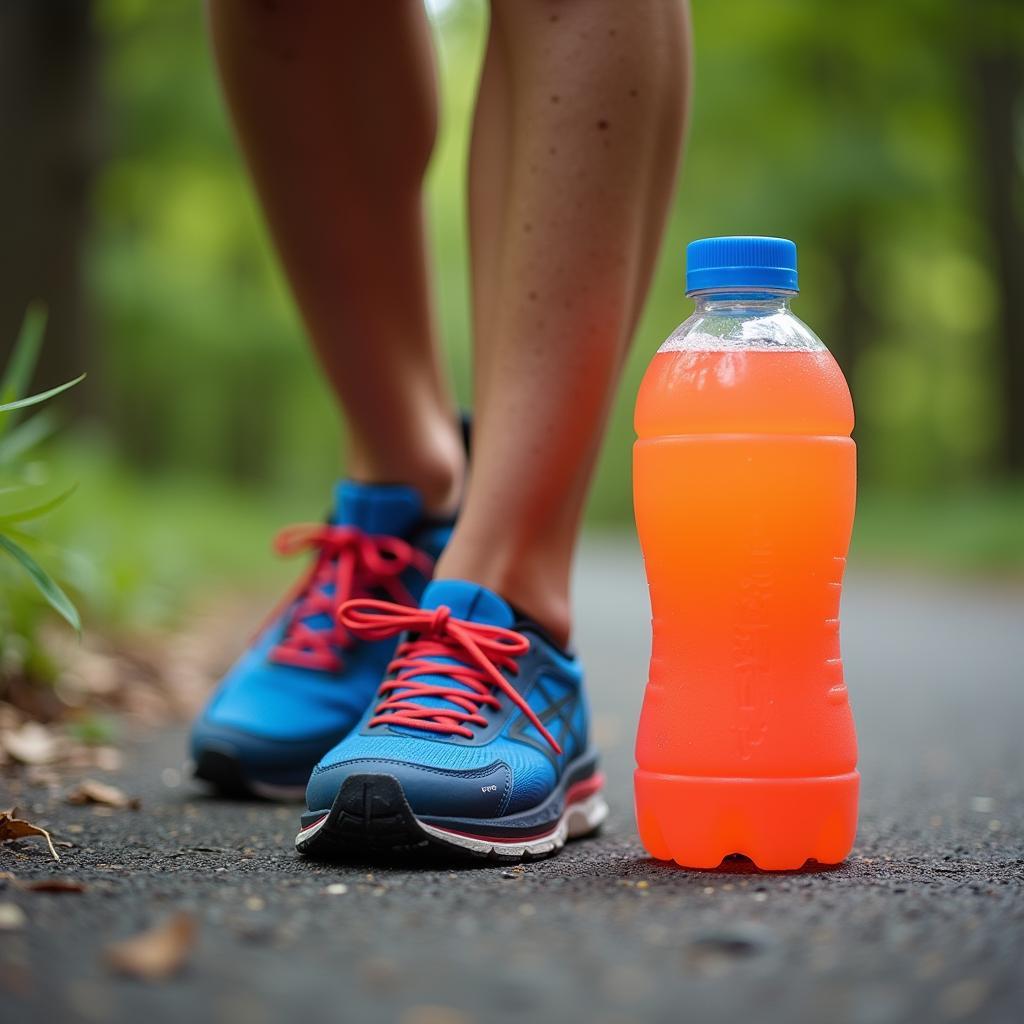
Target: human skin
[576,139]
[335,107]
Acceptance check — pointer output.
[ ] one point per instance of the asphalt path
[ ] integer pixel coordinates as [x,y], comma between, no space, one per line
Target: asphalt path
[925,922]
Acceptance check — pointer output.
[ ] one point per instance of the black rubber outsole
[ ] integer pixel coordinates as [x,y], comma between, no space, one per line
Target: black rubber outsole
[224,773]
[370,816]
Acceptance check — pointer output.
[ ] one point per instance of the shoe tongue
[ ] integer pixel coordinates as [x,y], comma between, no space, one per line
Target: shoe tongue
[468,601]
[392,509]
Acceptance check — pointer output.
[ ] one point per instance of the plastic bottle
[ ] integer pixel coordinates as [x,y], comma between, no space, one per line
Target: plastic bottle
[744,478]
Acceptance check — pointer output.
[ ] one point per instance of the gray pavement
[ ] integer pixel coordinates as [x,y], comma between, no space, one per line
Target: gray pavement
[925,922]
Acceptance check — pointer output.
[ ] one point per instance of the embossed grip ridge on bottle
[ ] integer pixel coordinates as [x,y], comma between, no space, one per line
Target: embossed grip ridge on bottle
[744,477]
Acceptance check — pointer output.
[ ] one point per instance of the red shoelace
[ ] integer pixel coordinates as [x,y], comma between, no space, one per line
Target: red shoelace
[350,561]
[480,652]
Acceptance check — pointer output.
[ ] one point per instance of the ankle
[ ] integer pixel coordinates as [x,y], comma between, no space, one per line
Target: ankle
[440,484]
[553,616]
[436,467]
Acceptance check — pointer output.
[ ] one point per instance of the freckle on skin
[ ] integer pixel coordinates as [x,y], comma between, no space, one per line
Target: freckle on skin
[555,99]
[634,93]
[602,125]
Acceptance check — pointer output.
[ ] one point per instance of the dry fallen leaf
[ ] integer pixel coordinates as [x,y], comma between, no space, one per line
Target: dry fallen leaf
[108,759]
[32,744]
[14,828]
[53,885]
[40,775]
[158,953]
[90,791]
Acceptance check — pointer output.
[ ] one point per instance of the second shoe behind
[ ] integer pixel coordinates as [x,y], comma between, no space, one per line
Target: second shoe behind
[306,680]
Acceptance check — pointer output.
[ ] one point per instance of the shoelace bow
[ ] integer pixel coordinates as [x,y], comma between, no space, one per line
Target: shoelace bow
[480,651]
[350,561]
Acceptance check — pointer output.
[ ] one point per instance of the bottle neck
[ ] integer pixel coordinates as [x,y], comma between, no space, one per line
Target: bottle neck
[754,302]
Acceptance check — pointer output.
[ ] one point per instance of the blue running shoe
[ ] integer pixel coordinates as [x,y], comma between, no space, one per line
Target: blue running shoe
[307,679]
[477,743]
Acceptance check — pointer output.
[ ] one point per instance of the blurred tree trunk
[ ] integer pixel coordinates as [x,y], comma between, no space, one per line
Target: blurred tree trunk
[49,131]
[853,323]
[997,72]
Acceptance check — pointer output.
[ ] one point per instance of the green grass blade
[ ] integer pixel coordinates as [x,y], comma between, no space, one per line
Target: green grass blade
[36,511]
[27,540]
[55,597]
[26,435]
[25,355]
[24,403]
[23,495]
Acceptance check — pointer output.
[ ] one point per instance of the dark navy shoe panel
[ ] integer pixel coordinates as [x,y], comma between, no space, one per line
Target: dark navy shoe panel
[481,792]
[275,762]
[538,818]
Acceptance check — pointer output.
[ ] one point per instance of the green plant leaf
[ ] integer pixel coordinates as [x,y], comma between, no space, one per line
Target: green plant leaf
[23,495]
[26,435]
[27,539]
[25,355]
[35,511]
[48,587]
[24,403]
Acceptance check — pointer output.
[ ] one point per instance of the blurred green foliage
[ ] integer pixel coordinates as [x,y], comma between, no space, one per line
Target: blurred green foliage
[820,121]
[848,127]
[27,495]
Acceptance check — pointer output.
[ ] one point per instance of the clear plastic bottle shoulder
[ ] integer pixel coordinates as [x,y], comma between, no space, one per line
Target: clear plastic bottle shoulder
[742,327]
[739,367]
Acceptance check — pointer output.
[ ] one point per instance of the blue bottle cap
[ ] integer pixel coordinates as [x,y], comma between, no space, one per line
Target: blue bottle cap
[741,261]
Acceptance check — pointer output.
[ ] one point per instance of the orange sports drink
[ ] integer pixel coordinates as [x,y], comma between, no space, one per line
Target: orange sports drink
[744,478]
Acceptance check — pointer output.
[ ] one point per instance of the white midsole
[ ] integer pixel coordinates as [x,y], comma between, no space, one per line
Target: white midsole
[578,819]
[311,830]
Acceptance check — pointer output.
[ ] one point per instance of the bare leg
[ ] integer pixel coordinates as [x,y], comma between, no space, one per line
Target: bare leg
[568,201]
[335,105]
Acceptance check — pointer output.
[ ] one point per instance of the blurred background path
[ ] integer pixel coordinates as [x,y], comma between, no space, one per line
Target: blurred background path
[924,923]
